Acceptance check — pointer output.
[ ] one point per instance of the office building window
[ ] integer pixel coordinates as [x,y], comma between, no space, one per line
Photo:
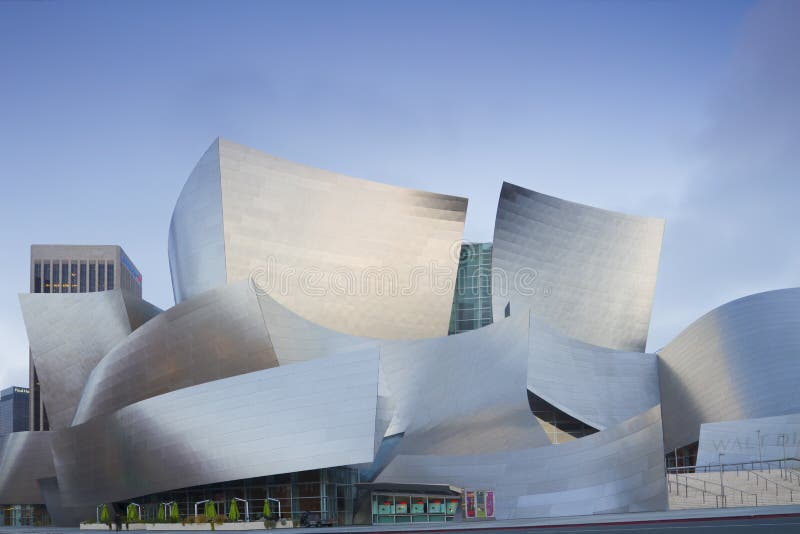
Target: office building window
[83,277]
[101,276]
[37,277]
[56,277]
[73,276]
[110,275]
[92,277]
[47,277]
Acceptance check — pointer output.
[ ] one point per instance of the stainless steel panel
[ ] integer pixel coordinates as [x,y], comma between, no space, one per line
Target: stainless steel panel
[196,246]
[588,273]
[601,387]
[618,470]
[24,458]
[214,335]
[305,234]
[739,361]
[69,334]
[463,394]
[291,418]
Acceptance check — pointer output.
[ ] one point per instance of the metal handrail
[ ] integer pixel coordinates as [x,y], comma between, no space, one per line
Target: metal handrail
[724,487]
[766,484]
[708,467]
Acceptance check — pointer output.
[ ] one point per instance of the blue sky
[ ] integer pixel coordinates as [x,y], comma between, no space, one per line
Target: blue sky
[683,110]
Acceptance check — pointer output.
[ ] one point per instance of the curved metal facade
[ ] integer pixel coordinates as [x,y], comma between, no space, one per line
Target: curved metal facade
[218,431]
[196,246]
[349,254]
[617,470]
[739,361]
[69,334]
[25,457]
[587,273]
[215,335]
[599,386]
[244,379]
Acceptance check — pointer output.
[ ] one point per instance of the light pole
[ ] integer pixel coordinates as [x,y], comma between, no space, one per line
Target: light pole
[760,459]
[721,485]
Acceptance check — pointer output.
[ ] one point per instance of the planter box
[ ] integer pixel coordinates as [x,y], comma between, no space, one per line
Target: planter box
[102,526]
[252,525]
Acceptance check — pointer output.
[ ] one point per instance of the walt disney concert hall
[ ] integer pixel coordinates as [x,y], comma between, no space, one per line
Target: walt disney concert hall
[335,349]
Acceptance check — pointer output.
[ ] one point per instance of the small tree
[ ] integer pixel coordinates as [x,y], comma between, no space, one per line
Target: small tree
[174,514]
[104,518]
[161,516]
[133,513]
[233,512]
[211,510]
[267,511]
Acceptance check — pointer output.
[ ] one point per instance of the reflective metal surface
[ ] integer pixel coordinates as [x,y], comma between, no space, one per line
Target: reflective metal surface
[293,418]
[69,334]
[214,335]
[618,470]
[348,254]
[599,386]
[739,361]
[463,394]
[24,458]
[196,245]
[588,273]
[750,440]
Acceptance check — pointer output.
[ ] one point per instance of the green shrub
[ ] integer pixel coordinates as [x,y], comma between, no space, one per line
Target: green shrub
[174,514]
[104,518]
[161,516]
[233,511]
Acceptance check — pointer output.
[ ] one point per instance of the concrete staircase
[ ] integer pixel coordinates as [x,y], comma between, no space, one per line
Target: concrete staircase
[767,487]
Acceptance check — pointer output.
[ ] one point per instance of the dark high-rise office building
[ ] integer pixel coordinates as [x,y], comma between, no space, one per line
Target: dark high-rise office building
[14,414]
[472,299]
[76,269]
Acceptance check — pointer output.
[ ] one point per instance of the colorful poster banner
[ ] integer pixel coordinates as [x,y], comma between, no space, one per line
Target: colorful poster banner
[479,504]
[469,504]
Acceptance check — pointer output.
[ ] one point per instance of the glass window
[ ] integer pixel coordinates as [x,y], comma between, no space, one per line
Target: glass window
[56,277]
[92,277]
[65,282]
[73,276]
[37,277]
[110,275]
[47,277]
[83,277]
[101,276]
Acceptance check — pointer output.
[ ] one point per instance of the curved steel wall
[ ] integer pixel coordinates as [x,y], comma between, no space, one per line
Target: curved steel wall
[69,334]
[322,244]
[25,457]
[463,394]
[599,386]
[293,418]
[214,335]
[750,440]
[618,470]
[196,245]
[739,361]
[592,271]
